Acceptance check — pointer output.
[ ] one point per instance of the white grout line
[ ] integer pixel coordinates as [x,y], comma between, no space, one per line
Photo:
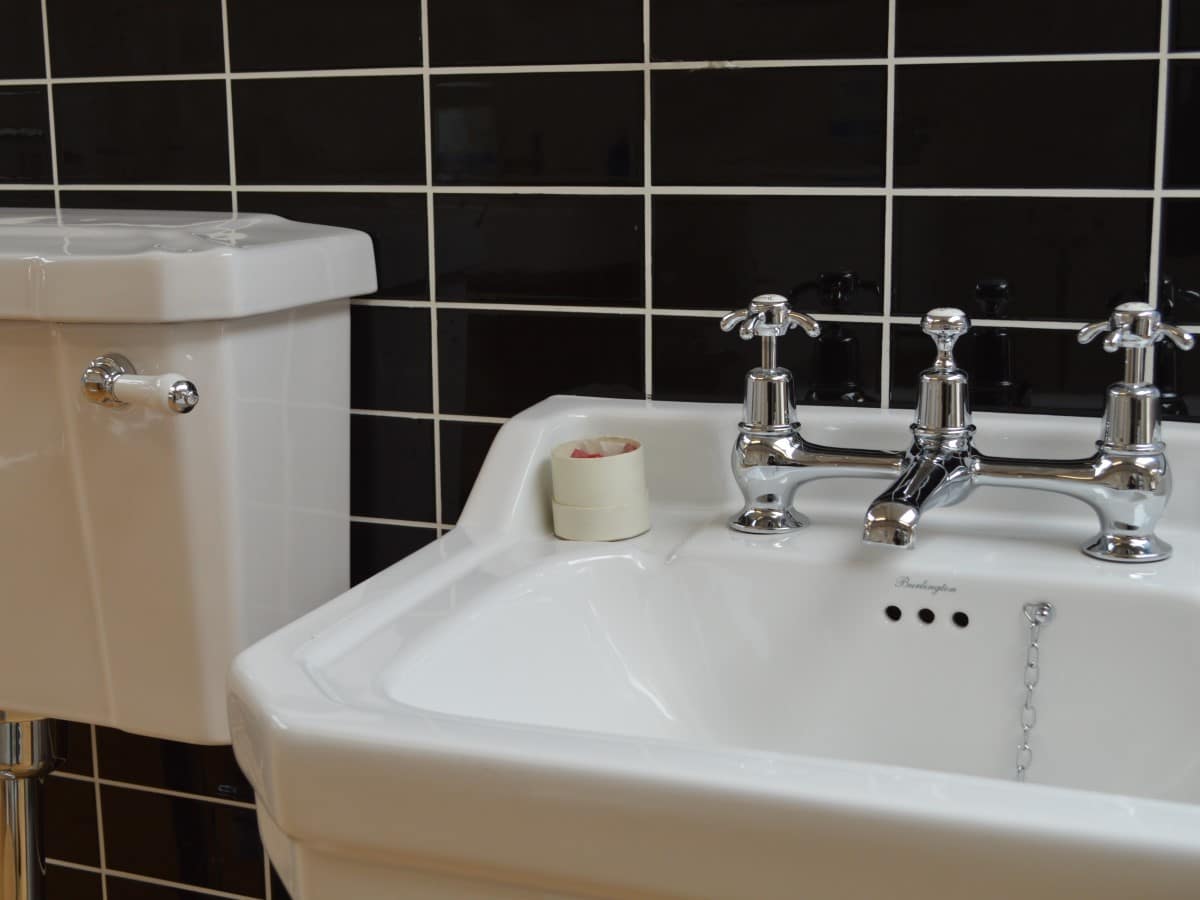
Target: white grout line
[567,68]
[99,811]
[146,879]
[53,133]
[403,523]
[1014,324]
[647,210]
[229,107]
[267,892]
[440,417]
[1160,140]
[149,789]
[430,234]
[885,337]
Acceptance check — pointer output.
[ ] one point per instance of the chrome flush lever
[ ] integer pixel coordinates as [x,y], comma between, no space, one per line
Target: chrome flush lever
[112,381]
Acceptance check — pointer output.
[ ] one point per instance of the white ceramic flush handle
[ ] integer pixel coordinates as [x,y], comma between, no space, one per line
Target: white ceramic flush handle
[111,380]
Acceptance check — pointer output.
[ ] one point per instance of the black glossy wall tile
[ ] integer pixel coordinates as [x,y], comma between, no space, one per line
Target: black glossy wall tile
[1185,24]
[375,547]
[74,747]
[30,199]
[188,768]
[526,32]
[718,252]
[329,130]
[21,51]
[167,132]
[1061,258]
[314,34]
[395,223]
[391,358]
[70,829]
[1051,372]
[984,27]
[694,360]
[767,29]
[1026,125]
[578,128]
[128,889]
[391,461]
[135,37]
[72,884]
[1183,125]
[726,127]
[540,249]
[202,201]
[497,363]
[464,447]
[157,836]
[1181,254]
[24,135]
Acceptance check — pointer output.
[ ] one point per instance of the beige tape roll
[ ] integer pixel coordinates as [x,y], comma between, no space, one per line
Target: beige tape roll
[600,498]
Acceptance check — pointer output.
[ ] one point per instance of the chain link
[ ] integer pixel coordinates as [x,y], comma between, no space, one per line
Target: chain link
[1037,614]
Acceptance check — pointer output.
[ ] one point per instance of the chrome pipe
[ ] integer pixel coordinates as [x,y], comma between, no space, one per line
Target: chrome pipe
[26,758]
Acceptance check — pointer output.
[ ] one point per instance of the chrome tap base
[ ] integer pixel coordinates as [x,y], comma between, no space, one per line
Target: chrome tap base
[26,757]
[1127,549]
[765,519]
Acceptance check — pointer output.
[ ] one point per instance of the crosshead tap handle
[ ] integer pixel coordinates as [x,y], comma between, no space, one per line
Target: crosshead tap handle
[768,316]
[1135,328]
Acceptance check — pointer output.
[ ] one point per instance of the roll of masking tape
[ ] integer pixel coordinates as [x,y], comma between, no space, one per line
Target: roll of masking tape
[599,487]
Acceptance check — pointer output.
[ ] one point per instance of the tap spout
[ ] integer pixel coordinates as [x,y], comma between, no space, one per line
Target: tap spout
[932,475]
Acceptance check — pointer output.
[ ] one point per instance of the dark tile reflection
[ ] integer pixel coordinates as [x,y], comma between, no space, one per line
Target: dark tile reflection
[528,32]
[24,135]
[695,360]
[1185,24]
[465,445]
[391,464]
[718,252]
[1183,124]
[540,249]
[375,547]
[21,53]
[1055,373]
[27,199]
[767,29]
[394,222]
[315,34]
[128,889]
[1026,125]
[133,37]
[176,766]
[494,363]
[72,884]
[983,27]
[73,745]
[142,132]
[550,129]
[391,357]
[1061,258]
[202,201]
[1181,258]
[158,836]
[71,829]
[725,127]
[330,130]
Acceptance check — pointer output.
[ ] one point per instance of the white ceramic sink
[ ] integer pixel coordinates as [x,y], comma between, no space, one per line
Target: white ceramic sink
[700,713]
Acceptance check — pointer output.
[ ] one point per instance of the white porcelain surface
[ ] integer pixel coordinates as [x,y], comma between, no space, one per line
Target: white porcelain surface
[140,549]
[700,713]
[148,266]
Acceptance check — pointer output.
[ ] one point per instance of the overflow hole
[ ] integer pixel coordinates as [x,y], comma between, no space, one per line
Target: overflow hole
[893,613]
[961,619]
[926,616]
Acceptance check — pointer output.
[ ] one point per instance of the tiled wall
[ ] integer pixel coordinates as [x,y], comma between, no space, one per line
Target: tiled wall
[565,195]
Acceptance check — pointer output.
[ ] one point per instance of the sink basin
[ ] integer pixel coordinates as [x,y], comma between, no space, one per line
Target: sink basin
[706,714]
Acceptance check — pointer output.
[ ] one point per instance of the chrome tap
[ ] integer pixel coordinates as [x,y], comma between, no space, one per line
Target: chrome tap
[771,459]
[1126,481]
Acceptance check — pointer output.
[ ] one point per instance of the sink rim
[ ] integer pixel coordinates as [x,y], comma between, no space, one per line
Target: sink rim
[285,727]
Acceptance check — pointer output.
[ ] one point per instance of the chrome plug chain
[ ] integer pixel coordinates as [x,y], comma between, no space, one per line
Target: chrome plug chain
[1037,614]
